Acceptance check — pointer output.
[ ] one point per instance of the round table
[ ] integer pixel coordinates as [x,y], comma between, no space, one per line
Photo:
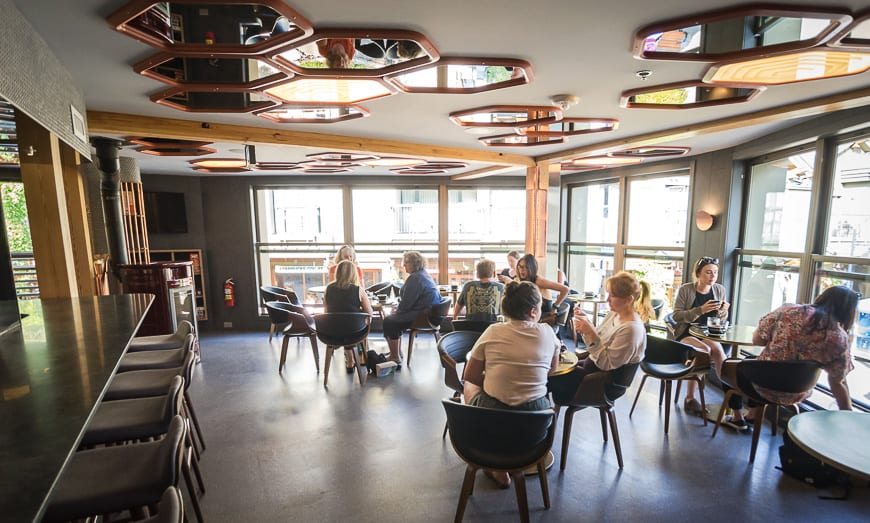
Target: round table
[836,437]
[596,301]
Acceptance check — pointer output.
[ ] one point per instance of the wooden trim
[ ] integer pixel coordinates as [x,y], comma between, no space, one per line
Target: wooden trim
[77,213]
[816,106]
[125,124]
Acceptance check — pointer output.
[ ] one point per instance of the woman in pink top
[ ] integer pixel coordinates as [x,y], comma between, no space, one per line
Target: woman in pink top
[816,332]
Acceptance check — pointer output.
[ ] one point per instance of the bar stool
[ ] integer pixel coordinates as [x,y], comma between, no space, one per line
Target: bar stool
[113,479]
[150,383]
[162,341]
[157,359]
[171,508]
[137,419]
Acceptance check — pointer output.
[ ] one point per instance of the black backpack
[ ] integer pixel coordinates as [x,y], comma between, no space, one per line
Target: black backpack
[372,360]
[796,463]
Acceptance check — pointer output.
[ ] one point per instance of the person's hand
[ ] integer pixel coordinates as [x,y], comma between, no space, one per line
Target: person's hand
[711,305]
[724,307]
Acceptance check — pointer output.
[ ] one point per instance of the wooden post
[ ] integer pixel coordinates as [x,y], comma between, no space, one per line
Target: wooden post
[77,213]
[537,185]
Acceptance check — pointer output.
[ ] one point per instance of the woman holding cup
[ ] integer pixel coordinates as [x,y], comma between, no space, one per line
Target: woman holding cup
[697,301]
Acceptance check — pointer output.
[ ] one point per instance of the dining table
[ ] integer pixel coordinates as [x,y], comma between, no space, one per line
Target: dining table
[735,336]
[838,438]
[54,368]
[596,302]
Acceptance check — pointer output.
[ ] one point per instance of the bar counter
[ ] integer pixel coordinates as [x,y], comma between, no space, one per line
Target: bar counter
[54,370]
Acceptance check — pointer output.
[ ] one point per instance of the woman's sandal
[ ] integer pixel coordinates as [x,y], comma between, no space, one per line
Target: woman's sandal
[691,406]
[502,485]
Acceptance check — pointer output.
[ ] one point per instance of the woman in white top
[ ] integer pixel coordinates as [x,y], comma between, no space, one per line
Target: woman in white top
[509,365]
[618,341]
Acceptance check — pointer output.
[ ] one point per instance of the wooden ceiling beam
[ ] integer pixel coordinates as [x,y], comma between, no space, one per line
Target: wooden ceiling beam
[133,125]
[814,107]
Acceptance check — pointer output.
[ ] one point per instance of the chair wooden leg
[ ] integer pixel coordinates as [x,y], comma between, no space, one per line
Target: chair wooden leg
[661,392]
[566,437]
[359,371]
[283,354]
[722,410]
[667,404]
[185,469]
[329,350]
[271,331]
[188,406]
[316,352]
[679,388]
[545,487]
[519,480]
[611,415]
[757,432]
[465,493]
[411,336]
[701,382]
[636,396]
[603,417]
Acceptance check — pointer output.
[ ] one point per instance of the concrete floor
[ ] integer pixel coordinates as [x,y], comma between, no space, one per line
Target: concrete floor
[283,448]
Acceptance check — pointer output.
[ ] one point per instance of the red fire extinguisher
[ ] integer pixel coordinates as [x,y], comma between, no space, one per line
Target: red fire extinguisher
[229,293]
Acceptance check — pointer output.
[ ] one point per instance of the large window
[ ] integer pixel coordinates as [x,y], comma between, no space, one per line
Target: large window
[651,244]
[849,224]
[483,223]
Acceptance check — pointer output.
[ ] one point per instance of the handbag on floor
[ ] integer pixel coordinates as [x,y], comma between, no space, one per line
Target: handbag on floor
[372,360]
[798,464]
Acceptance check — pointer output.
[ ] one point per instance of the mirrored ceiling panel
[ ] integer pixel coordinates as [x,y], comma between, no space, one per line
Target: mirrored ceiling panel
[357,52]
[571,127]
[198,99]
[329,90]
[856,36]
[217,70]
[686,95]
[738,33]
[456,75]
[518,140]
[289,113]
[650,152]
[211,26]
[816,64]
[498,116]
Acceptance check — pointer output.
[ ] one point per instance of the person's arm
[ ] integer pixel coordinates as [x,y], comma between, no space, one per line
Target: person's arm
[544,283]
[584,327]
[763,332]
[683,310]
[460,302]
[410,293]
[473,376]
[840,390]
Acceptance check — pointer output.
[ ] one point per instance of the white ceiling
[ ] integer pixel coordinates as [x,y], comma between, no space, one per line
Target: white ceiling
[577,47]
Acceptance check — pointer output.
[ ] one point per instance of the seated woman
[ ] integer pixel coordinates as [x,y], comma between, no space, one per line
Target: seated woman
[527,270]
[346,252]
[618,341]
[509,364]
[346,295]
[643,305]
[418,294]
[481,298]
[817,332]
[695,302]
[509,273]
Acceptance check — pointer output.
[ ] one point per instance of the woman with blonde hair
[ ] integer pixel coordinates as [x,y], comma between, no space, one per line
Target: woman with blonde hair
[346,295]
[619,340]
[345,252]
[643,304]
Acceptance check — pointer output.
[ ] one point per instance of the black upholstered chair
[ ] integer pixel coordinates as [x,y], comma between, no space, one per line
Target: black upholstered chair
[112,479]
[453,347]
[428,321]
[471,325]
[794,376]
[343,330]
[670,361]
[297,323]
[598,390]
[501,440]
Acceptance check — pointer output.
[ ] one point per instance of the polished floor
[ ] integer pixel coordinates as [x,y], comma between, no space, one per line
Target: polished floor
[283,448]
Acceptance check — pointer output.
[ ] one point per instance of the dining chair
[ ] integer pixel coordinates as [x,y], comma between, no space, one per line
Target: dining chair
[162,341]
[502,441]
[428,321]
[453,348]
[343,330]
[792,376]
[670,361]
[598,390]
[296,323]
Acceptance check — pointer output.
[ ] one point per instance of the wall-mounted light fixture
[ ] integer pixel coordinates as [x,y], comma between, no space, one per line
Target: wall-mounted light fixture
[704,220]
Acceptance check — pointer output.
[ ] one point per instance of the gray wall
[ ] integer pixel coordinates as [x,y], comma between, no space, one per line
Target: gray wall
[34,81]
